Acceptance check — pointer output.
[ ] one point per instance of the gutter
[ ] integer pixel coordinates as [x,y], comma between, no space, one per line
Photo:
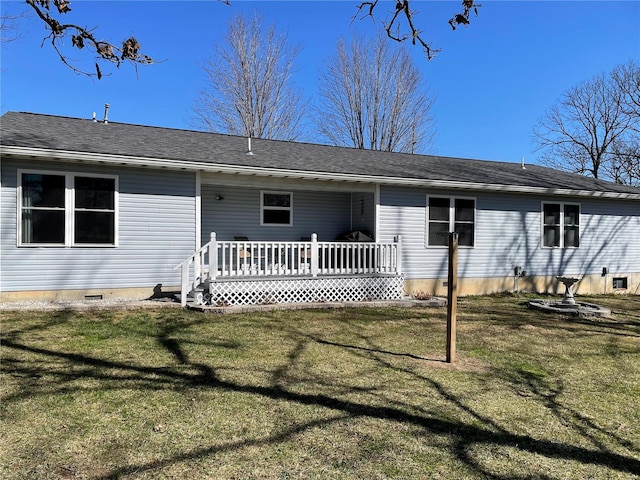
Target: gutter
[198,166]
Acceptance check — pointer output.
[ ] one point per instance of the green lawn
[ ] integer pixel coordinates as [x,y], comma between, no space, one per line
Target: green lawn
[322,394]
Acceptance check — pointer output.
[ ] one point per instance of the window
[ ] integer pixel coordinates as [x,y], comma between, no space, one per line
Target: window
[620,283]
[64,209]
[94,210]
[276,208]
[560,225]
[43,209]
[449,214]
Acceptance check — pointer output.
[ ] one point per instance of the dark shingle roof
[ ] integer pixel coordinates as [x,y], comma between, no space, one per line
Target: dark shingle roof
[208,149]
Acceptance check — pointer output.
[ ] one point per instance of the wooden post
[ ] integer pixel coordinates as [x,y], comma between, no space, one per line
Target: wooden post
[314,255]
[398,241]
[213,257]
[452,297]
[184,282]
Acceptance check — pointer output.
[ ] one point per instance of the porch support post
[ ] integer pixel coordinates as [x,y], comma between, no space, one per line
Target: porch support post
[398,240]
[314,254]
[184,282]
[213,257]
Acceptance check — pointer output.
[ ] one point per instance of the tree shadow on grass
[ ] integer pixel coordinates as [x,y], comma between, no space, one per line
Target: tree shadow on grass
[481,431]
[375,350]
[548,392]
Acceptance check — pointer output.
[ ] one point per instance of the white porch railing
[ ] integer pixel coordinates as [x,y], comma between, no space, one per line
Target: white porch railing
[237,259]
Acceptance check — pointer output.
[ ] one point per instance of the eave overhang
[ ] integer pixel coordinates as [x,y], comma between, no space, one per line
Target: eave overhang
[191,165]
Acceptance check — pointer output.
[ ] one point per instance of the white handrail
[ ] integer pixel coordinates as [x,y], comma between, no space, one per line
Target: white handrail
[200,273]
[223,259]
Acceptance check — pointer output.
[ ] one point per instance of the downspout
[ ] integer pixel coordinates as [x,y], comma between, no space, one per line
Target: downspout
[351,212]
[376,202]
[198,211]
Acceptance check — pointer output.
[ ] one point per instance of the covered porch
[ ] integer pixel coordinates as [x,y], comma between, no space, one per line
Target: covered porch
[243,272]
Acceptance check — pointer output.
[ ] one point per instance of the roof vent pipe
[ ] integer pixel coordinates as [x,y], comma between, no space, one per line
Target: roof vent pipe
[94,117]
[106,113]
[248,152]
[522,163]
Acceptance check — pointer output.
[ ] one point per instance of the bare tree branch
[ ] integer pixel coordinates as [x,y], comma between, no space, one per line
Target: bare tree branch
[9,27]
[81,37]
[129,50]
[463,18]
[402,12]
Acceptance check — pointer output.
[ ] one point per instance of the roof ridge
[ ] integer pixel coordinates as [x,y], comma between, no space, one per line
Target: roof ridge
[296,142]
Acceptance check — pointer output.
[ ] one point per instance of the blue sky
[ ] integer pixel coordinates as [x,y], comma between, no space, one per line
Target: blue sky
[492,79]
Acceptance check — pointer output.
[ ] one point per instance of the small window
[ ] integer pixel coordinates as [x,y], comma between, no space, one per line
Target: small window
[620,283]
[276,208]
[560,225]
[67,209]
[448,214]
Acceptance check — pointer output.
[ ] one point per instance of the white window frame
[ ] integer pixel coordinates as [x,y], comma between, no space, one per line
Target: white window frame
[263,208]
[452,219]
[69,209]
[562,224]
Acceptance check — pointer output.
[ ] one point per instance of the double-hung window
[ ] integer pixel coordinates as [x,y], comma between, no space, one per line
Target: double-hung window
[42,212]
[276,208]
[450,214]
[94,210]
[66,209]
[560,225]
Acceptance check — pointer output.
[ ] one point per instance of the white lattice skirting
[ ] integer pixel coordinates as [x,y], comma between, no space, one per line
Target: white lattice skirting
[301,290]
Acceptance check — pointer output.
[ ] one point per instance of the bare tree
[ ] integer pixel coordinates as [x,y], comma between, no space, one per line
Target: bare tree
[372,96]
[626,78]
[250,91]
[400,26]
[593,129]
[624,167]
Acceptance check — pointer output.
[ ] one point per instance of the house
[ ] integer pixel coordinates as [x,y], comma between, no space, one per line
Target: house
[102,209]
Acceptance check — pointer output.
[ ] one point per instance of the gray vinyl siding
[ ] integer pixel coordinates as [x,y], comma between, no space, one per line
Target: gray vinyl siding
[508,234]
[238,214]
[363,215]
[156,222]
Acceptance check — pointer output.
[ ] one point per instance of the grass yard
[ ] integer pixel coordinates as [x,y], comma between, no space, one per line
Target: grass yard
[322,394]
